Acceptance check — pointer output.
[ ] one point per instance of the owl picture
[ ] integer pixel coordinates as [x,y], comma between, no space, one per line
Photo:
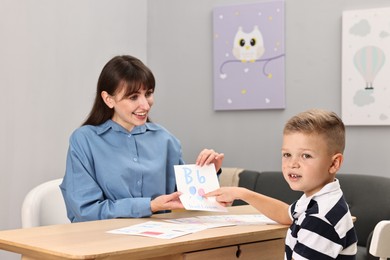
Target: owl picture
[248,47]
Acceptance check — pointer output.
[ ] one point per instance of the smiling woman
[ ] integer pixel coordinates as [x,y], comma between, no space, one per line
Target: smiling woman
[119,89]
[132,110]
[120,164]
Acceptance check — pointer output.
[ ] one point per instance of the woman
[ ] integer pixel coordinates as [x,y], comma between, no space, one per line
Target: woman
[119,164]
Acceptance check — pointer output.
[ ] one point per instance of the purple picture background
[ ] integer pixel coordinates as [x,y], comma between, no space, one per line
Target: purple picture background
[238,85]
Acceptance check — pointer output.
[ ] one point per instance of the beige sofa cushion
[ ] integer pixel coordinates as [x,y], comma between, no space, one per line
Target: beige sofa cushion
[229,176]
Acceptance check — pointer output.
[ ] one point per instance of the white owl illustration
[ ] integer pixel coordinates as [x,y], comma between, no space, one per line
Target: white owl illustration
[248,46]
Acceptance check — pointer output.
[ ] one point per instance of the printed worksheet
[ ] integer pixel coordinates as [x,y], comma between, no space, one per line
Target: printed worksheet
[172,228]
[248,219]
[195,181]
[209,223]
[157,229]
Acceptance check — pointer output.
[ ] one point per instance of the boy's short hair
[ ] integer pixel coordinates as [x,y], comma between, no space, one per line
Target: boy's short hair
[322,122]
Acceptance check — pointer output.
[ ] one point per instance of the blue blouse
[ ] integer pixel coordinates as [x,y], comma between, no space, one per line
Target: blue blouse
[113,173]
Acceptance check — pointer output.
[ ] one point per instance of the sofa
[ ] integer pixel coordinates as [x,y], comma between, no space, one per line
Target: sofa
[368,197]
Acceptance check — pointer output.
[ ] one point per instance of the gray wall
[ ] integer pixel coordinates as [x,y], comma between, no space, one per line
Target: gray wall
[180,54]
[52,53]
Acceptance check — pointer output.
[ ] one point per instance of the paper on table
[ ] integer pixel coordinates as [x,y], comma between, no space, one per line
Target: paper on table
[248,219]
[209,223]
[159,229]
[225,220]
[195,181]
[173,228]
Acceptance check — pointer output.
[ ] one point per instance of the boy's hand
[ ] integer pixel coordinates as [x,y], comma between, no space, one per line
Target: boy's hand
[225,195]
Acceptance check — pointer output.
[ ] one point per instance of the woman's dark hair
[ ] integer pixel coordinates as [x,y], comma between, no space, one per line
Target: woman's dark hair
[120,72]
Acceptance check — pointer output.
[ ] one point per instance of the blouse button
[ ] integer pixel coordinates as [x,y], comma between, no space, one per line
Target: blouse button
[135,159]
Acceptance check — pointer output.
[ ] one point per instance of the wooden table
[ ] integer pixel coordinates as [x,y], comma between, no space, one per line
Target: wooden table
[89,240]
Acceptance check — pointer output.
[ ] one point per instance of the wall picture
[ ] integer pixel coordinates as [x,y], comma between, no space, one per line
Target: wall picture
[366,67]
[249,56]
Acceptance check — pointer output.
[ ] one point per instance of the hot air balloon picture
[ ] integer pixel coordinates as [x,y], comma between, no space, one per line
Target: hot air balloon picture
[365,89]
[369,61]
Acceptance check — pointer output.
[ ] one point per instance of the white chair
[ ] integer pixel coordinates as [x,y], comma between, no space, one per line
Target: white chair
[44,205]
[380,242]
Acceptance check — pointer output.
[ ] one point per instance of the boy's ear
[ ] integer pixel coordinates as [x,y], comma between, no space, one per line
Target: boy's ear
[107,99]
[337,160]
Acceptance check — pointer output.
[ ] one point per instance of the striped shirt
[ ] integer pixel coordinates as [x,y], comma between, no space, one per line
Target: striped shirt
[322,227]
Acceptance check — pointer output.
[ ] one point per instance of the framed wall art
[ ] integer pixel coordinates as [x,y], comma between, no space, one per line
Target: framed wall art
[366,67]
[249,56]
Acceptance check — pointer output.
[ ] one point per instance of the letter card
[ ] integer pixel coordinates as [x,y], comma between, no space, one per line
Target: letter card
[195,181]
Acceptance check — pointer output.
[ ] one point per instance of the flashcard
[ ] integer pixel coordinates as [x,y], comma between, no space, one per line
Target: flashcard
[195,181]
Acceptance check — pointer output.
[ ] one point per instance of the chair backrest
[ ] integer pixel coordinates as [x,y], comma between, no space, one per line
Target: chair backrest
[270,183]
[44,205]
[273,184]
[380,242]
[368,197]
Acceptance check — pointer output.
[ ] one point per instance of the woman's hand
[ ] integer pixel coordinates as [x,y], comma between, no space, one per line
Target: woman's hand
[207,156]
[166,202]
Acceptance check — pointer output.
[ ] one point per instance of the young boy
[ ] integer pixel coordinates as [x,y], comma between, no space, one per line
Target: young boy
[320,222]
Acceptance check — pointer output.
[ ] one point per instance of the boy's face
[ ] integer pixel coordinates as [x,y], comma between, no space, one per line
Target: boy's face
[307,164]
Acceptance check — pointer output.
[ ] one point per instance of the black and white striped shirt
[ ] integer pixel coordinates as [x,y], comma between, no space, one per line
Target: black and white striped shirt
[322,227]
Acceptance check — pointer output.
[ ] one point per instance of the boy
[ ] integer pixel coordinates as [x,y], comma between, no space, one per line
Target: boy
[321,226]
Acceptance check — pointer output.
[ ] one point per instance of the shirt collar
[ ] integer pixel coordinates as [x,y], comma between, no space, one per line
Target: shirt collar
[109,124]
[304,201]
[332,186]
